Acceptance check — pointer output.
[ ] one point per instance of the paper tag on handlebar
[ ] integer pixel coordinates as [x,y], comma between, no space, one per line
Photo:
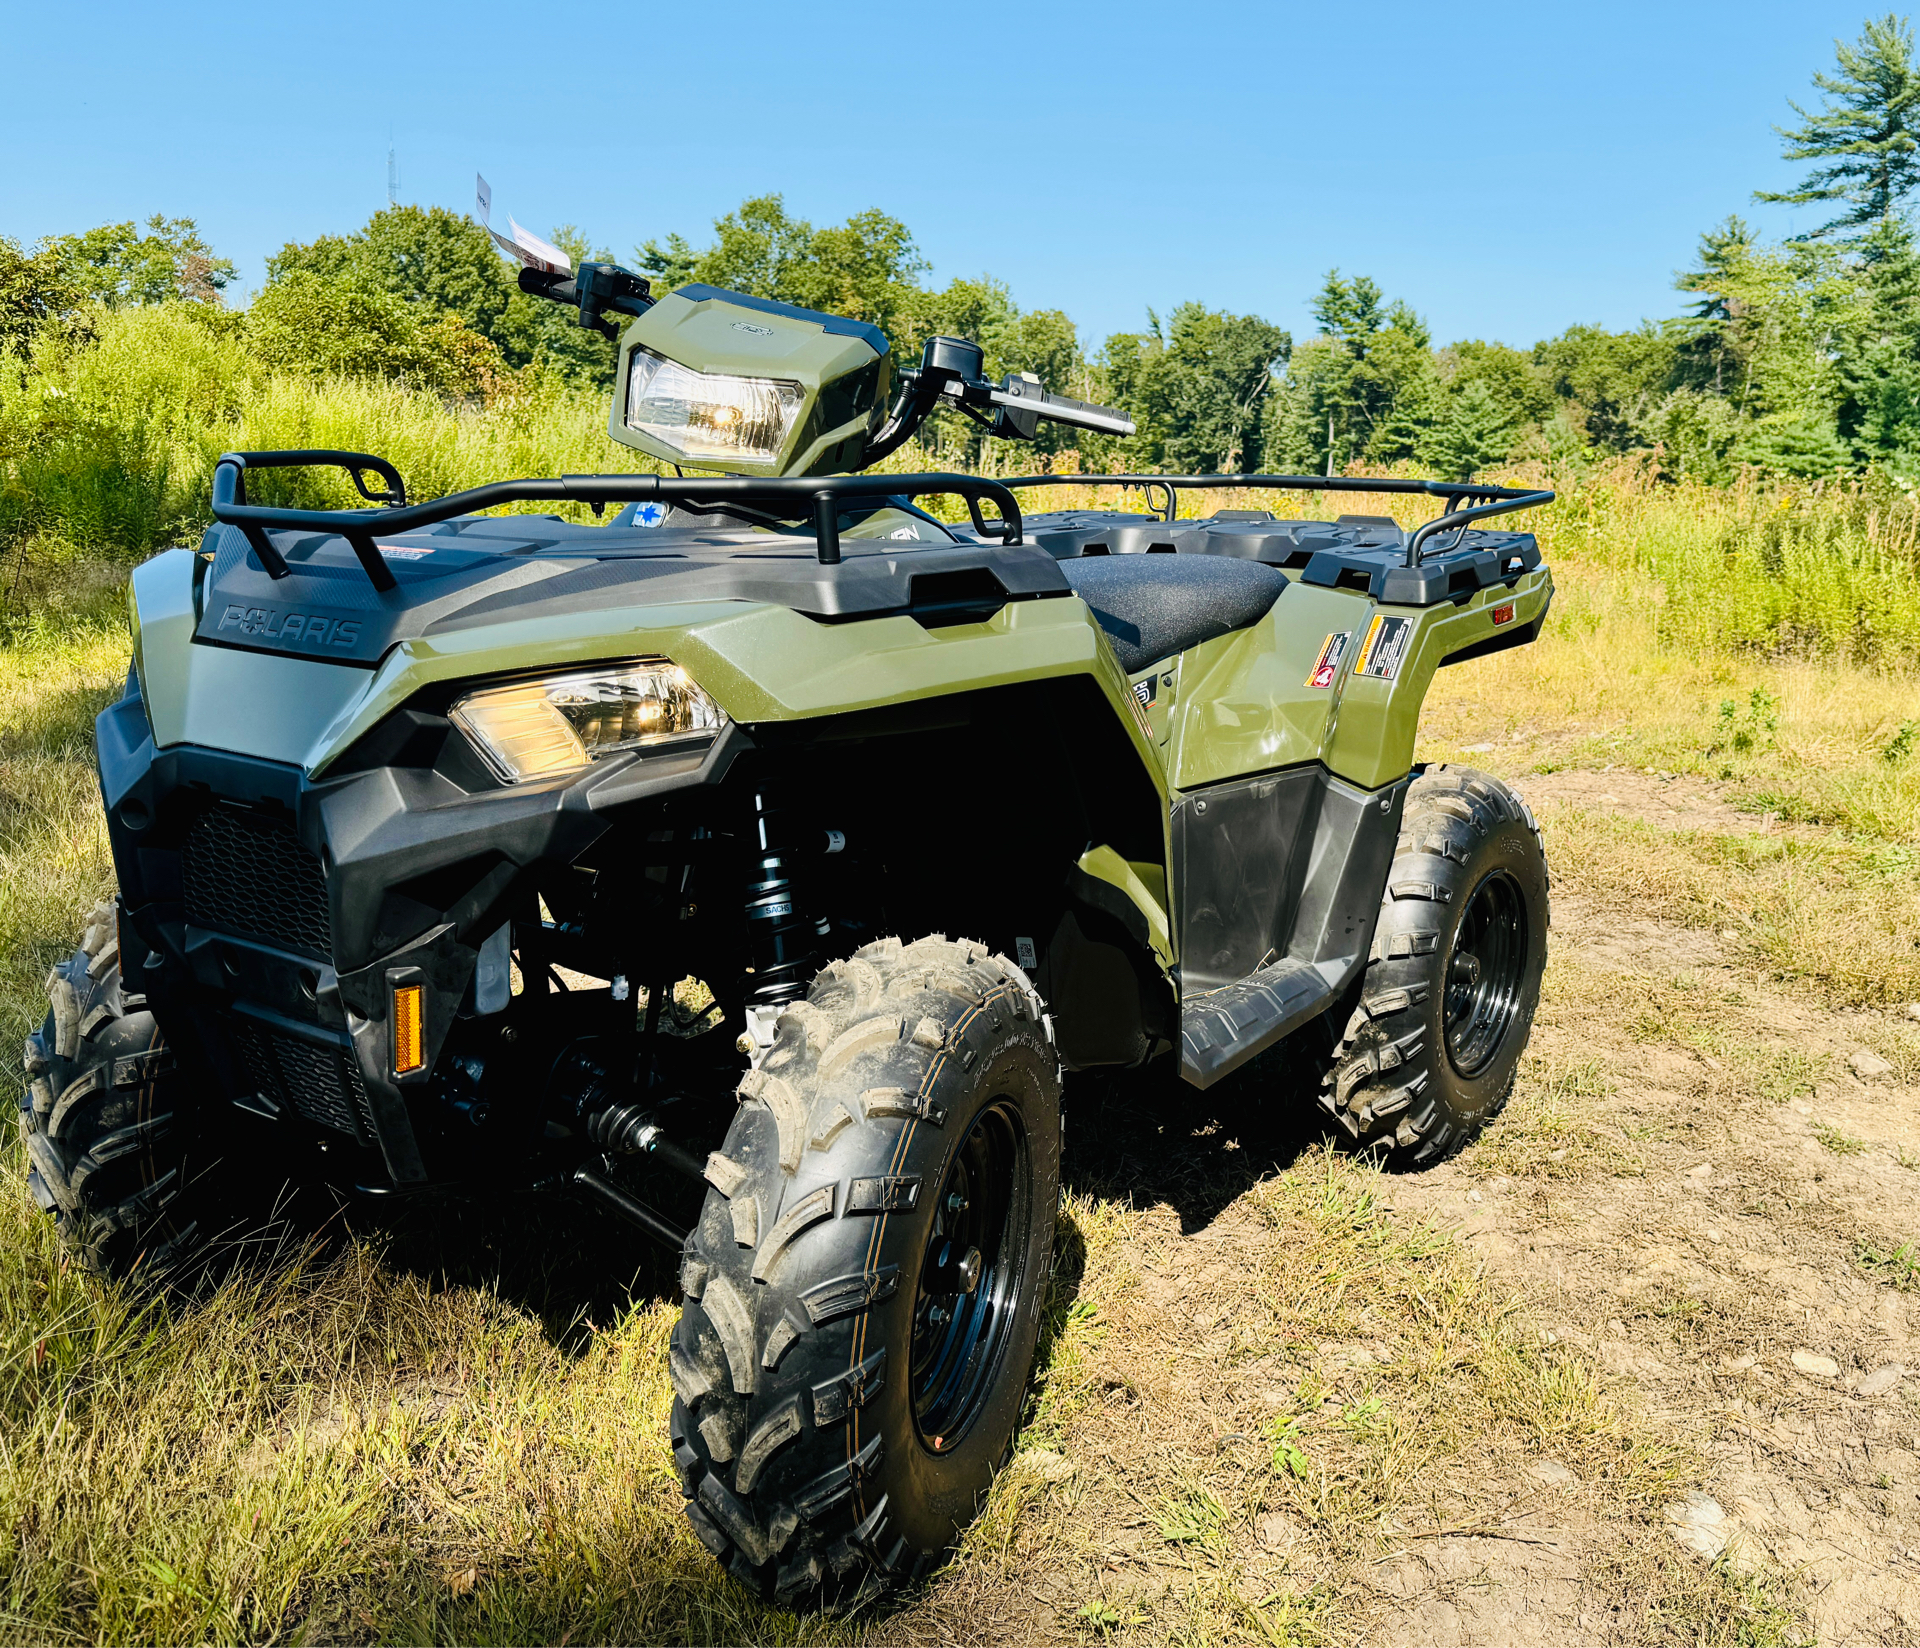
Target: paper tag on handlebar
[528,248]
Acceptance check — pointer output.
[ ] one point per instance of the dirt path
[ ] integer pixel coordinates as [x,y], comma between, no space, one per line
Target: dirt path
[1741,1268]
[1641,1364]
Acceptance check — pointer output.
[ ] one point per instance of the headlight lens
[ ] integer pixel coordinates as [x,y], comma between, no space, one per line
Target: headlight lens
[536,729]
[705,415]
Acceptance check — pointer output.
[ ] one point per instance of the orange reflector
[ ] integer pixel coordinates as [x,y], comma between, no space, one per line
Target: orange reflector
[409,1028]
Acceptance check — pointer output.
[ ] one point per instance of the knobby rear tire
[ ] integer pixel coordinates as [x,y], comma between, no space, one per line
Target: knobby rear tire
[1469,855]
[794,1424]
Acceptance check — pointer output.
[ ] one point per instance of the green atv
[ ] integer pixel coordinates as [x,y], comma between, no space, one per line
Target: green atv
[502,851]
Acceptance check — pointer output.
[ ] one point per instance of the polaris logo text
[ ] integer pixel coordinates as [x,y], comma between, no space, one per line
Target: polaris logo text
[308,628]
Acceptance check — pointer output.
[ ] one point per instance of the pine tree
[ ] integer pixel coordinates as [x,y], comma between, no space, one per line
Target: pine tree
[1477,431]
[1867,138]
[1708,350]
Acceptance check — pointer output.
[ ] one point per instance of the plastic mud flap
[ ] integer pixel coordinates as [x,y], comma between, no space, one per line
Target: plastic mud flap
[1315,938]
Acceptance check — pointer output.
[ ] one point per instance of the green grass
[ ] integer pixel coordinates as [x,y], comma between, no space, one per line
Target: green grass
[1841,1144]
[111,445]
[54,863]
[1898,1267]
[1828,571]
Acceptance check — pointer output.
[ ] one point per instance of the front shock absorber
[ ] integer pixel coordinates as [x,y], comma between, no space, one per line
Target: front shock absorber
[784,940]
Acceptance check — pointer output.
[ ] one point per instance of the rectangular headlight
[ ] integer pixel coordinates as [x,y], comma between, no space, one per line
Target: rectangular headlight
[537,729]
[708,415]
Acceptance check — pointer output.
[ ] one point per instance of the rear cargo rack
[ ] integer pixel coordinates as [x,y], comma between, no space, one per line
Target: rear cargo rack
[749,497]
[1467,501]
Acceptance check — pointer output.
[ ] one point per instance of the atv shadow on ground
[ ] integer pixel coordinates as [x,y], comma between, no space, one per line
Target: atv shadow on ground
[574,1268]
[1145,1135]
[1142,1134]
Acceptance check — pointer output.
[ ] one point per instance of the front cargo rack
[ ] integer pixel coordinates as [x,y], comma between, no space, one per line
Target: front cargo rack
[762,501]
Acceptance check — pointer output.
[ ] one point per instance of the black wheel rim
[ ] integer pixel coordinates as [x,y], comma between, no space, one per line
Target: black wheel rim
[1485,969]
[970,1278]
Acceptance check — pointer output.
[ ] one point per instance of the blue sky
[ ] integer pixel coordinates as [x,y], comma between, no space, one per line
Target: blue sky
[1507,168]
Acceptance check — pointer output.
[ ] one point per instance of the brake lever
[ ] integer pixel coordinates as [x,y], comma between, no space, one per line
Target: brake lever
[1022,401]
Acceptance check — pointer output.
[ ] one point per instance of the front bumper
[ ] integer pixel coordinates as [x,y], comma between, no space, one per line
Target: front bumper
[267,915]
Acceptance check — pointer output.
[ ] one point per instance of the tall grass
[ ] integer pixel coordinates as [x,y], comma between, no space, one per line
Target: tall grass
[1823,572]
[108,442]
[1830,571]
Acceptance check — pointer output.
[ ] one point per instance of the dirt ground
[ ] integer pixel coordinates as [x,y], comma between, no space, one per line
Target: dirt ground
[1703,1194]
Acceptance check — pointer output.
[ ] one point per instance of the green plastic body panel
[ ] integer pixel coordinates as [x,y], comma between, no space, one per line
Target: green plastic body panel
[1234,706]
[766,663]
[759,662]
[1379,720]
[1244,703]
[251,703]
[713,336]
[1106,865]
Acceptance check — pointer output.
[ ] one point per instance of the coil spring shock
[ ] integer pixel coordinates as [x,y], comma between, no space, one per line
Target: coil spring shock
[785,942]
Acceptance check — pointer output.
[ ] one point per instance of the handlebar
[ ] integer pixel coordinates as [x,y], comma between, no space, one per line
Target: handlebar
[954,370]
[591,289]
[1023,393]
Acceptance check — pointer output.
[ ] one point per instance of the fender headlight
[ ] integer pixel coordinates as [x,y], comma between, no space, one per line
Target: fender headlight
[708,414]
[537,729]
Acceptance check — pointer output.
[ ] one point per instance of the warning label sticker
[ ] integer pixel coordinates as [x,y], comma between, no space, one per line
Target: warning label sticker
[1332,650]
[1386,645]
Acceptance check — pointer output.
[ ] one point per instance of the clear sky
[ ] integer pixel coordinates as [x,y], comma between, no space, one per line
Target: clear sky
[1507,168]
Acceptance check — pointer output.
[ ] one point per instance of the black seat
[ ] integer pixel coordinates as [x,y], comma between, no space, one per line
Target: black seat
[1153,606]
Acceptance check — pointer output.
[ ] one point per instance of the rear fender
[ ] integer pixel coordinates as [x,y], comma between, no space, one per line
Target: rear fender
[1330,675]
[1387,679]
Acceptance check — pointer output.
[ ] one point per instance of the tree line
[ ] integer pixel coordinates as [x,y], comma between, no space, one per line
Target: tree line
[1799,357]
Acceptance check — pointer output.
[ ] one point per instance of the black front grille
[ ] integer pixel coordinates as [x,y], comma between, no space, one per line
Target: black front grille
[248,873]
[321,1083]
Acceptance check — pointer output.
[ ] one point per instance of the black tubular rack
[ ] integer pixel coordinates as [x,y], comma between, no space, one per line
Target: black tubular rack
[750,497]
[767,500]
[1467,501]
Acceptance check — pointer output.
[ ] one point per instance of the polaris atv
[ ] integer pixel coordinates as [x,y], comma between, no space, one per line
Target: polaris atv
[756,863]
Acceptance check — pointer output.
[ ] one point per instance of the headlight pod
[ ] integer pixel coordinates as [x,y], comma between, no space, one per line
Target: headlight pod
[707,414]
[538,729]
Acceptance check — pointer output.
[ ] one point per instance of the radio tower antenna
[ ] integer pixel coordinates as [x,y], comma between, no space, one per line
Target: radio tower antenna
[393,171]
